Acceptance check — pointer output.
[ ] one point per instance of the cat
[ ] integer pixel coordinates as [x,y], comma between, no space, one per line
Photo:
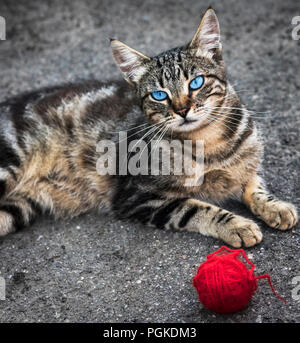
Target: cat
[48,146]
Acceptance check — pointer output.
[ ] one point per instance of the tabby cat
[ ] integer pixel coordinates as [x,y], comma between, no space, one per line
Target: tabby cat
[49,146]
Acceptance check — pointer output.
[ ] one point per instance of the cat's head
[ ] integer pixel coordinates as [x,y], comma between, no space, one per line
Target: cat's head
[181,86]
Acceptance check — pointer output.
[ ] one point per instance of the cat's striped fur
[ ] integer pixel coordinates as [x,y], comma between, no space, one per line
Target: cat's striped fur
[48,144]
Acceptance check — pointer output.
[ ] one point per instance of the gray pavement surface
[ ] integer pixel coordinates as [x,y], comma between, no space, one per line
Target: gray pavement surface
[96,269]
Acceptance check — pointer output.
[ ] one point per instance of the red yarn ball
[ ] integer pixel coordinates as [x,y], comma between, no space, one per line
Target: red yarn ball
[225,284]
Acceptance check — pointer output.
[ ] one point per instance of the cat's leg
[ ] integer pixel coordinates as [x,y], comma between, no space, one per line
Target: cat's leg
[194,215]
[276,213]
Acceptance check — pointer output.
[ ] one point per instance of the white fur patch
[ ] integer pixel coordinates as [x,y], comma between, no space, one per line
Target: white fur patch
[4,174]
[6,223]
[9,132]
[77,105]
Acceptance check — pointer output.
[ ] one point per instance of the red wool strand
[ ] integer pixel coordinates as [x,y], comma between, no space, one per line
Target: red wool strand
[225,284]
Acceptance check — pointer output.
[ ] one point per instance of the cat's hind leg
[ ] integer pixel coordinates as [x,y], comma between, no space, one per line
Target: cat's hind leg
[276,213]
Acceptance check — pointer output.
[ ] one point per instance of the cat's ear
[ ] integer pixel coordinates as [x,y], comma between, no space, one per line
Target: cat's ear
[131,62]
[207,37]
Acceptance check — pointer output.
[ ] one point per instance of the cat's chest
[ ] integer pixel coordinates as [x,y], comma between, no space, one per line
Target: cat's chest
[215,183]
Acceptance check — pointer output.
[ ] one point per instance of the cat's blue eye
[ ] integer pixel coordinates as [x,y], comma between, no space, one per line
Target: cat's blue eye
[159,95]
[197,82]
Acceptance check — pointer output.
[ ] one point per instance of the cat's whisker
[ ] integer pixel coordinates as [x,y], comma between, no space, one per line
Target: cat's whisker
[152,138]
[148,127]
[231,113]
[228,109]
[159,139]
[239,82]
[217,130]
[229,128]
[161,121]
[212,119]
[239,108]
[147,134]
[230,120]
[225,121]
[226,115]
[152,130]
[233,96]
[243,90]
[133,128]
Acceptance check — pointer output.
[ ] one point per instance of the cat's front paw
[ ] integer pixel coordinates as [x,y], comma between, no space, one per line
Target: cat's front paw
[279,214]
[241,231]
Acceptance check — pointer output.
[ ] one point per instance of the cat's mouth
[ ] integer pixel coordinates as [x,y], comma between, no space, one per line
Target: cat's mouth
[187,121]
[185,124]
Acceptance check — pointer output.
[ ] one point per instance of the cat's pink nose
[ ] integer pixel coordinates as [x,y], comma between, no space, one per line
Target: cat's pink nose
[182,111]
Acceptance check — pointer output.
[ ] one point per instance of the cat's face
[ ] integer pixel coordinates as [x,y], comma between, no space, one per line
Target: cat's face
[182,87]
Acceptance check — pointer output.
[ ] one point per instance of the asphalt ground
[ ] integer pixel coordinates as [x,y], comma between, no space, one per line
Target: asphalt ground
[96,269]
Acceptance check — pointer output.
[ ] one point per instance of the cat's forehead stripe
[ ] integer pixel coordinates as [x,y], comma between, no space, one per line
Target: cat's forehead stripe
[168,56]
